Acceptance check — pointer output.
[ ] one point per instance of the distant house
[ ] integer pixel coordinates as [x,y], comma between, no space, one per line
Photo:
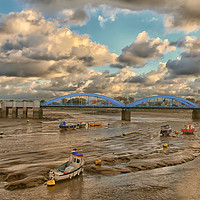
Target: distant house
[198,103]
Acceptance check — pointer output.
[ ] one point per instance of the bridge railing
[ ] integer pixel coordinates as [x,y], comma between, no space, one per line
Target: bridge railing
[95,100]
[80,105]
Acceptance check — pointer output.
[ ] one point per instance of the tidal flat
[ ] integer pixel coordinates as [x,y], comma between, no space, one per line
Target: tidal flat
[133,166]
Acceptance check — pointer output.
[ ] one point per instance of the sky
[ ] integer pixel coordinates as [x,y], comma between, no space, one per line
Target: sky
[137,48]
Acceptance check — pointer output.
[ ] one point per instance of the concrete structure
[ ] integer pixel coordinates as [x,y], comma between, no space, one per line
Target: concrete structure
[126,114]
[196,114]
[24,105]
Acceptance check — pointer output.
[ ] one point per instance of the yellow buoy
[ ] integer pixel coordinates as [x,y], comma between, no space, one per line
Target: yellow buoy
[96,139]
[174,135]
[130,132]
[51,182]
[97,162]
[149,127]
[139,129]
[27,120]
[123,134]
[165,145]
[49,125]
[176,132]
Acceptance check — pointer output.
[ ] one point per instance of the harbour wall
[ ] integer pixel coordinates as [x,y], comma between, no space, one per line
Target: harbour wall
[21,109]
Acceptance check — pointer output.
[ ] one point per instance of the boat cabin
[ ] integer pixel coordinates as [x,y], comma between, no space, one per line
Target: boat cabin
[165,127]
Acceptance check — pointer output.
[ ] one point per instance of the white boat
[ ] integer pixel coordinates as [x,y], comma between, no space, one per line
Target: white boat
[73,167]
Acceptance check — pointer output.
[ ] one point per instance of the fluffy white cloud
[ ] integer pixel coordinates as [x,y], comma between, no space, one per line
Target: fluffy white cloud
[90,81]
[109,14]
[160,82]
[150,78]
[144,49]
[32,46]
[39,59]
[180,14]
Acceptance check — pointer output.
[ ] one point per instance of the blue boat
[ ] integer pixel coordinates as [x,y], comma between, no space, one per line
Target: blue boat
[165,130]
[65,126]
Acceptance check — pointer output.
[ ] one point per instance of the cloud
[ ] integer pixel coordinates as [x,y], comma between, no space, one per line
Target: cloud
[68,17]
[188,65]
[124,82]
[158,82]
[102,20]
[117,65]
[143,50]
[109,14]
[188,43]
[184,16]
[88,81]
[31,46]
[179,14]
[150,78]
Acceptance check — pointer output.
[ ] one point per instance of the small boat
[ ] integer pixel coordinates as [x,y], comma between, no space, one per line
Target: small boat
[73,167]
[65,126]
[165,130]
[81,125]
[95,123]
[189,129]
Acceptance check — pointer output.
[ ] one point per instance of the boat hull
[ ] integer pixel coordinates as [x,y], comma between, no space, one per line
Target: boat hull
[96,124]
[62,176]
[165,133]
[188,131]
[71,127]
[81,125]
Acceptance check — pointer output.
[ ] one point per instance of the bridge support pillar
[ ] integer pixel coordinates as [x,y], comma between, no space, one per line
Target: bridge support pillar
[37,113]
[14,112]
[25,113]
[126,114]
[196,114]
[4,112]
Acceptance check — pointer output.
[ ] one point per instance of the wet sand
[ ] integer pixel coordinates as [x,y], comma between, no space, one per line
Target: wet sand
[134,164]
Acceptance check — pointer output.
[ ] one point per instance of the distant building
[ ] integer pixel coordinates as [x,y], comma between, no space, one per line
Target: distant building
[198,102]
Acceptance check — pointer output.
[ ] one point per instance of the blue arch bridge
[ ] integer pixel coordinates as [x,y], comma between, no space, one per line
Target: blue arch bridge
[87,100]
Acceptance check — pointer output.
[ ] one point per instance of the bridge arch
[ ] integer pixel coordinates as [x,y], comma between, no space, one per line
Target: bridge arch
[186,103]
[107,99]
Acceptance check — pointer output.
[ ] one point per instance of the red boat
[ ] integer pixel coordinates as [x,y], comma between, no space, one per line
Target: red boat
[190,129]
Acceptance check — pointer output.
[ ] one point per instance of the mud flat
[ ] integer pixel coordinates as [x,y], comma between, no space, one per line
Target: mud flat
[30,150]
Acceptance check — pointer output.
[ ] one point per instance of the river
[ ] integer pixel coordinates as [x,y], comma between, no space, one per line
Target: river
[134,166]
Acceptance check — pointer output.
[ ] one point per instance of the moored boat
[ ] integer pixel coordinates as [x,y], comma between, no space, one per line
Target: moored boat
[81,125]
[165,130]
[95,123]
[73,167]
[189,129]
[65,126]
